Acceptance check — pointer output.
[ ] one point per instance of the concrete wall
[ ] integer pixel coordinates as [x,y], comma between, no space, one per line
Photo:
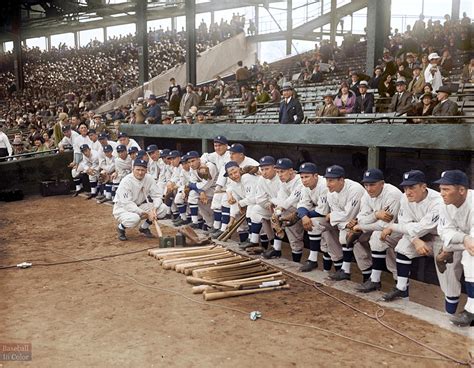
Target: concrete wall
[221,59]
[26,174]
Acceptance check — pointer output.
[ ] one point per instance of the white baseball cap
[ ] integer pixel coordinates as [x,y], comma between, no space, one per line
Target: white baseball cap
[433,55]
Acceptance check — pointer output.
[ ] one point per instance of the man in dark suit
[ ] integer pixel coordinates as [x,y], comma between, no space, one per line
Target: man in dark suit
[173,85]
[445,107]
[365,101]
[291,111]
[402,101]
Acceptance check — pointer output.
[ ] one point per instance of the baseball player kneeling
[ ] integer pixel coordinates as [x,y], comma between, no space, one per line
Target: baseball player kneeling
[131,201]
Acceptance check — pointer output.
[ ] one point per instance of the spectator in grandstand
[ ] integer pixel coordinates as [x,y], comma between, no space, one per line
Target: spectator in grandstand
[248,100]
[375,81]
[48,141]
[328,109]
[423,108]
[275,95]
[432,73]
[154,111]
[140,112]
[468,72]
[418,81]
[173,85]
[387,87]
[365,101]
[428,88]
[189,99]
[345,99]
[242,74]
[188,118]
[317,75]
[354,83]
[39,144]
[262,96]
[402,100]
[18,147]
[174,100]
[5,146]
[446,62]
[291,111]
[201,117]
[217,107]
[445,107]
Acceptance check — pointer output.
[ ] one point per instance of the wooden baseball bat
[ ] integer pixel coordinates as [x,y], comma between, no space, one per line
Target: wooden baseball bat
[181,267]
[171,263]
[241,264]
[158,229]
[162,251]
[275,275]
[199,281]
[217,288]
[227,278]
[230,294]
[245,269]
[190,255]
[231,229]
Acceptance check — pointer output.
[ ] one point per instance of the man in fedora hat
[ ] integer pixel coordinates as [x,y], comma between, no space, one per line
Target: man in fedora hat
[402,100]
[328,109]
[154,111]
[365,101]
[418,82]
[445,107]
[189,99]
[291,111]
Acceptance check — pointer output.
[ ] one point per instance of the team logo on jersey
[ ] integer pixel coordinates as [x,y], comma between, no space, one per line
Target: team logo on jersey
[354,202]
[435,218]
[298,193]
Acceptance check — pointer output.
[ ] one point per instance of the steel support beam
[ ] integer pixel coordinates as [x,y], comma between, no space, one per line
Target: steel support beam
[174,24]
[18,61]
[104,31]
[191,74]
[257,15]
[378,28]
[77,40]
[142,40]
[455,9]
[373,157]
[289,26]
[334,21]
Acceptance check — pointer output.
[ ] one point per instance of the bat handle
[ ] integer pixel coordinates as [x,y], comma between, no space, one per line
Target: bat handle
[158,229]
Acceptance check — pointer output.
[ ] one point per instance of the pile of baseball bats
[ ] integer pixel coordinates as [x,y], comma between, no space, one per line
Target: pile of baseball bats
[218,273]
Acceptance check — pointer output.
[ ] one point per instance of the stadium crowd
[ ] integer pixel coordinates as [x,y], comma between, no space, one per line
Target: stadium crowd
[414,77]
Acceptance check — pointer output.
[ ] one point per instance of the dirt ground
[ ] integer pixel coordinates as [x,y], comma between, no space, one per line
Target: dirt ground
[76,315]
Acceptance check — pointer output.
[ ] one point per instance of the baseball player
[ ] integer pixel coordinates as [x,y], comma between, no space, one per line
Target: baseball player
[417,225]
[181,196]
[89,165]
[379,209]
[67,141]
[237,154]
[312,210]
[82,138]
[172,184]
[344,202]
[456,229]
[219,157]
[133,153]
[131,202]
[155,164]
[96,146]
[202,184]
[128,142]
[286,204]
[123,167]
[106,169]
[103,139]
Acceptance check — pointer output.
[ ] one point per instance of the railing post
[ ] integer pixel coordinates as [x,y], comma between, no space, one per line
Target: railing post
[373,157]
[204,145]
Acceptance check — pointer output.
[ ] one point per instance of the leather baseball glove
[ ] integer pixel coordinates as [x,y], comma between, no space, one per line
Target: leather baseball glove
[252,170]
[203,173]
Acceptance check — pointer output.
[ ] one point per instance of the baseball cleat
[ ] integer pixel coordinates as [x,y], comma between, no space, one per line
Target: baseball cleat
[181,222]
[369,286]
[90,196]
[100,196]
[464,319]
[146,232]
[309,266]
[395,294]
[103,200]
[196,226]
[77,192]
[216,234]
[272,253]
[245,244]
[340,275]
[121,234]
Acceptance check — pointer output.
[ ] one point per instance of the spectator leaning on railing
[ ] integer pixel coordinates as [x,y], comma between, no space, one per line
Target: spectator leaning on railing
[402,100]
[5,146]
[445,107]
[365,101]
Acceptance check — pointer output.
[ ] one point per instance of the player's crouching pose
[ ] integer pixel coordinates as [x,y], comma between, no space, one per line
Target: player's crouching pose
[131,201]
[88,166]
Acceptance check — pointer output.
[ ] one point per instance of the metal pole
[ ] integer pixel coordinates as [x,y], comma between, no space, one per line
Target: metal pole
[142,40]
[191,73]
[289,25]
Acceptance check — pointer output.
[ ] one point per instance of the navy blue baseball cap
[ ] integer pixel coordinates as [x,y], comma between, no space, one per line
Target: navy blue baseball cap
[165,152]
[140,162]
[267,161]
[174,154]
[192,154]
[308,168]
[152,148]
[141,154]
[103,136]
[284,164]
[132,149]
[92,131]
[335,171]
[84,147]
[230,165]
[237,148]
[220,139]
[413,177]
[107,148]
[65,128]
[184,158]
[122,135]
[121,148]
[372,176]
[453,177]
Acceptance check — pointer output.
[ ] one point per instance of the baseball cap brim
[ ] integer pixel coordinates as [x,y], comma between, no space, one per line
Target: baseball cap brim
[407,183]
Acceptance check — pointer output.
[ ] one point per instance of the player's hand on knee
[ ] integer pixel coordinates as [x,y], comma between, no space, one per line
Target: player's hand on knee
[356,228]
[152,215]
[469,244]
[72,165]
[144,216]
[351,224]
[385,232]
[384,216]
[307,223]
